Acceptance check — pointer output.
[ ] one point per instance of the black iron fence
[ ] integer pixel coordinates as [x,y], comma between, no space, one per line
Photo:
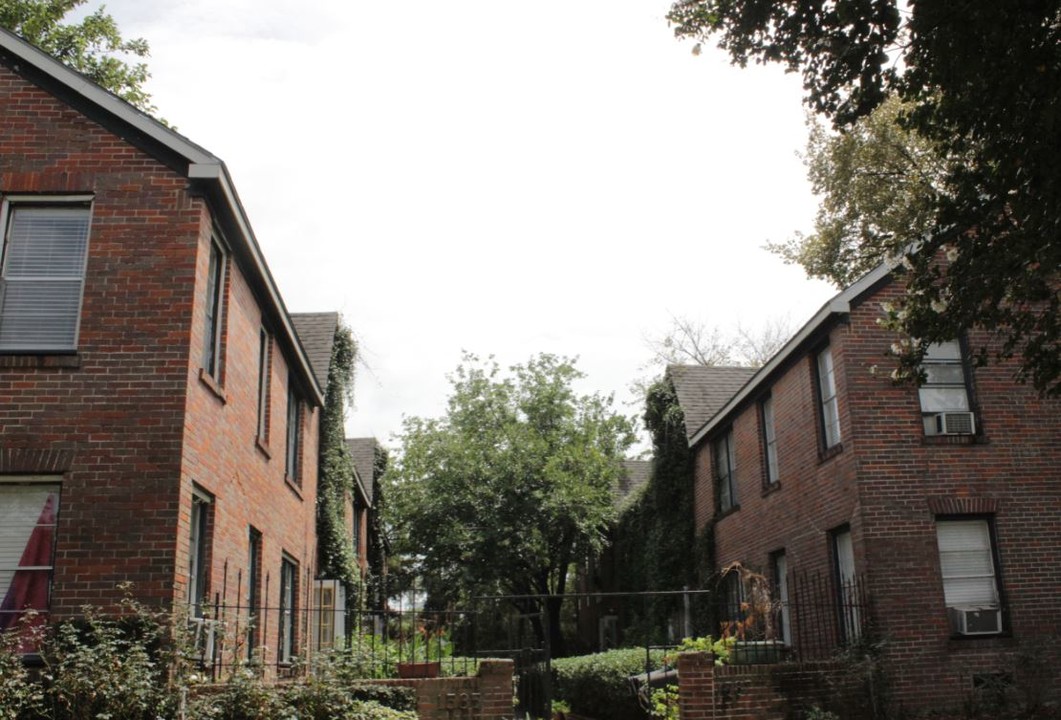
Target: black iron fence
[809,617]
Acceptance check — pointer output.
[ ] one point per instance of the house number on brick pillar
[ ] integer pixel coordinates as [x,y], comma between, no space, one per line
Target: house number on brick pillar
[460,705]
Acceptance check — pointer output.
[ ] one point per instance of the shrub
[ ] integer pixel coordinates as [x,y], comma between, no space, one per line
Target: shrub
[599,685]
[20,697]
[392,696]
[243,697]
[98,667]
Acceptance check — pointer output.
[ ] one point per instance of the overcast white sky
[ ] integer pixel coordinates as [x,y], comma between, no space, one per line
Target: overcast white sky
[497,176]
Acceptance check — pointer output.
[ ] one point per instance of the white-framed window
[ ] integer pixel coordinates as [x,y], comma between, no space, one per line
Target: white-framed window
[198,553]
[29,511]
[288,609]
[264,351]
[254,591]
[944,393]
[770,441]
[725,472]
[847,585]
[293,465]
[215,309]
[970,576]
[42,272]
[827,399]
[779,567]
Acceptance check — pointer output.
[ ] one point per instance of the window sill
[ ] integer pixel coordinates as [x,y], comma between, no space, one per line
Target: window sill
[42,360]
[263,448]
[930,440]
[293,487]
[771,488]
[831,452]
[207,379]
[725,513]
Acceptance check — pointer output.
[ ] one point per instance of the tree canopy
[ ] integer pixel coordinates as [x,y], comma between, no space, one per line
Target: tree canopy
[980,82]
[94,46]
[514,484]
[877,182]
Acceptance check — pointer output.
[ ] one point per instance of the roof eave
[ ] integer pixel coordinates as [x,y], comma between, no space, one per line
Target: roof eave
[838,306]
[216,174]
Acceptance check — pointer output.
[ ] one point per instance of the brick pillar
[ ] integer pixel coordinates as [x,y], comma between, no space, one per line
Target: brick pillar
[696,686]
[495,688]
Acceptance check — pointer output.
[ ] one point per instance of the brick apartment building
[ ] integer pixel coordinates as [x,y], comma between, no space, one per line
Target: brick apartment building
[932,513]
[158,415]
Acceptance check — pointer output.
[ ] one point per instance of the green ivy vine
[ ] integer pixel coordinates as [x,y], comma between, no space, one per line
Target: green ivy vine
[336,481]
[655,534]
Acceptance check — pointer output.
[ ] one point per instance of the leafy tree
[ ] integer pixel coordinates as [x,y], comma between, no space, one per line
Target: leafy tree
[94,46]
[878,183]
[514,484]
[982,80]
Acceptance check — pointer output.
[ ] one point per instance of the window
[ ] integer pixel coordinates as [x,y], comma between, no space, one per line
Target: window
[294,432]
[731,598]
[45,247]
[288,609]
[28,514]
[198,553]
[830,410]
[944,395]
[215,291]
[848,593]
[970,578]
[769,441]
[264,346]
[725,469]
[358,510]
[779,567]
[254,591]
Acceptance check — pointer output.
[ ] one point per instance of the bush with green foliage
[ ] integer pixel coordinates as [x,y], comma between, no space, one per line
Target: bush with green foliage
[105,667]
[599,685]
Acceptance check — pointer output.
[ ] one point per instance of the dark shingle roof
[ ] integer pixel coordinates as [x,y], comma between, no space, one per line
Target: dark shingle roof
[317,333]
[636,474]
[363,453]
[703,391]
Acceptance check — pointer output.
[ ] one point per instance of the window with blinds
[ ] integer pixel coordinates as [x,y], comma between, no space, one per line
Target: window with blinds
[42,278]
[967,563]
[28,514]
[970,578]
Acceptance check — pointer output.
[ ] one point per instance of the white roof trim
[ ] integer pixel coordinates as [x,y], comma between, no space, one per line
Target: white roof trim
[839,305]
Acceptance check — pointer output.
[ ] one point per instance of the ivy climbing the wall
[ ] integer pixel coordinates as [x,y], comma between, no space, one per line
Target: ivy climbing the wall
[655,535]
[336,482]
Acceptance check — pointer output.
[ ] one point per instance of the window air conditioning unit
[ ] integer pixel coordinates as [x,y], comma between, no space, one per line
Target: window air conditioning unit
[955,423]
[975,621]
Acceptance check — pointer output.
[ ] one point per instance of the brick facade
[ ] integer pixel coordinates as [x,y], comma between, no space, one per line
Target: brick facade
[889,483]
[128,423]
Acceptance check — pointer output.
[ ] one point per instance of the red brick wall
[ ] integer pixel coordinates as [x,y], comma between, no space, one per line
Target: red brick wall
[127,424]
[762,692]
[889,483]
[223,456]
[487,696]
[115,410]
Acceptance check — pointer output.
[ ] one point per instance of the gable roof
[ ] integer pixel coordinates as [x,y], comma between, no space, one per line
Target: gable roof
[636,474]
[207,175]
[839,306]
[317,333]
[363,453]
[703,390]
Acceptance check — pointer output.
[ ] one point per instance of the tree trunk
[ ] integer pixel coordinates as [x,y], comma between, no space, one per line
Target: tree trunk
[553,605]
